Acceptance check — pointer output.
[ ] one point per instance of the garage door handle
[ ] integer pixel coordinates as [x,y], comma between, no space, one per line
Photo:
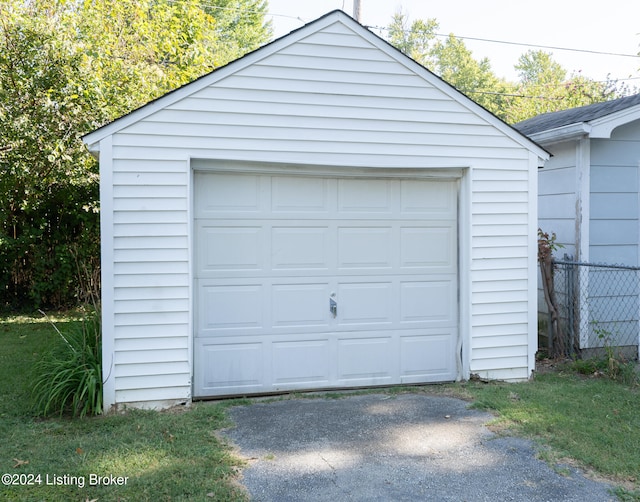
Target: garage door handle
[333,307]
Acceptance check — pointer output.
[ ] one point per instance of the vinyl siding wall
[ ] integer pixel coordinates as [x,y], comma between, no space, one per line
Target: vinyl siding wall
[614,196]
[334,99]
[557,196]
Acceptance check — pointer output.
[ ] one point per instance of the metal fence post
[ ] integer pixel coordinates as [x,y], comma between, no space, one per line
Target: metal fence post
[637,291]
[570,274]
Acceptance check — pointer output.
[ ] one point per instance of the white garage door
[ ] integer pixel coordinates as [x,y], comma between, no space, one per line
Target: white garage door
[309,282]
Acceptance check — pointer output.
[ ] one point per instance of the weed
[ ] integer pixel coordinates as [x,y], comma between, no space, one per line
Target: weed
[625,495]
[612,364]
[69,377]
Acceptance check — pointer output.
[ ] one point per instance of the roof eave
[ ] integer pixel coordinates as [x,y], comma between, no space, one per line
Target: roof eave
[560,134]
[604,126]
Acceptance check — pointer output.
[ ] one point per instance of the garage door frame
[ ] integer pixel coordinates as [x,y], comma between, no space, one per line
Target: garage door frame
[454,173]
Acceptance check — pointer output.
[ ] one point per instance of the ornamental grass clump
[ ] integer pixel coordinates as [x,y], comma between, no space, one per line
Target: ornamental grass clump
[68,378]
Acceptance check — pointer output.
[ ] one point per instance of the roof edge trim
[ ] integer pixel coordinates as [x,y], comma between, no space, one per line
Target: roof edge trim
[564,133]
[604,126]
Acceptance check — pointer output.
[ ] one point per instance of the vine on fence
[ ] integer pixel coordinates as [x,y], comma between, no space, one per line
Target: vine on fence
[546,246]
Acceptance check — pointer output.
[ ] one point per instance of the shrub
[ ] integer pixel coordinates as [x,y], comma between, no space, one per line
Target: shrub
[68,379]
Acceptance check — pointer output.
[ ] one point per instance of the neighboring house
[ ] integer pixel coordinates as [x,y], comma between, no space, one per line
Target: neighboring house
[589,194]
[321,213]
[588,190]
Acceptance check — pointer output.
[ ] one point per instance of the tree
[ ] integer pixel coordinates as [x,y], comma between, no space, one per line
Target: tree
[543,85]
[415,39]
[455,64]
[450,59]
[66,67]
[48,183]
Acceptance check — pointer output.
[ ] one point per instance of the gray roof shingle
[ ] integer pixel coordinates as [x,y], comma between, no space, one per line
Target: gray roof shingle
[553,120]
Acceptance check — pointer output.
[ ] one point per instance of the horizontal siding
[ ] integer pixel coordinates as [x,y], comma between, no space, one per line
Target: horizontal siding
[152,330]
[143,281]
[499,270]
[501,352]
[515,373]
[154,293]
[193,135]
[618,254]
[614,203]
[151,369]
[164,343]
[161,305]
[387,159]
[499,285]
[390,109]
[155,242]
[304,142]
[508,363]
[614,153]
[151,382]
[330,99]
[141,267]
[357,120]
[163,215]
[515,344]
[557,195]
[151,356]
[514,331]
[177,391]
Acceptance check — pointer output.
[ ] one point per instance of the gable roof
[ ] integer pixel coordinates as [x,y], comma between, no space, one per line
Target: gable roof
[92,139]
[588,115]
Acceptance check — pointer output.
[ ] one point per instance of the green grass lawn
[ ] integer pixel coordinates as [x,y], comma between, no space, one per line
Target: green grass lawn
[593,421]
[176,455]
[173,455]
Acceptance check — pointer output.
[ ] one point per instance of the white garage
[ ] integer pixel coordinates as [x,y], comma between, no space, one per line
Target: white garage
[321,213]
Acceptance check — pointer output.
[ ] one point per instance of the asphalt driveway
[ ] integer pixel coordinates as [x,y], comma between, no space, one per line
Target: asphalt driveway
[377,447]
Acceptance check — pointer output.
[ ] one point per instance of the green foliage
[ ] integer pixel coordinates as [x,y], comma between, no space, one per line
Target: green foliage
[612,364]
[67,67]
[48,186]
[68,378]
[548,88]
[415,39]
[543,85]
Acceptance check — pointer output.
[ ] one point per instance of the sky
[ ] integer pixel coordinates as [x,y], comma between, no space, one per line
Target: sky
[578,24]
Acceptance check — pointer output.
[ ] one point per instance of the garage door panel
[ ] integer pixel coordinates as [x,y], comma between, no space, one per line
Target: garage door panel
[300,305]
[230,367]
[365,196]
[225,194]
[364,303]
[428,301]
[225,248]
[428,247]
[366,360]
[431,199]
[300,248]
[301,362]
[428,357]
[230,307]
[296,194]
[365,247]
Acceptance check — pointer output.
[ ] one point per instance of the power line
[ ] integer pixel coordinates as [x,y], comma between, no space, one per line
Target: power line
[522,44]
[385,28]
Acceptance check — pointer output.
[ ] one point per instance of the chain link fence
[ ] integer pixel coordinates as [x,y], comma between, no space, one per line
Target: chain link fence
[598,308]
